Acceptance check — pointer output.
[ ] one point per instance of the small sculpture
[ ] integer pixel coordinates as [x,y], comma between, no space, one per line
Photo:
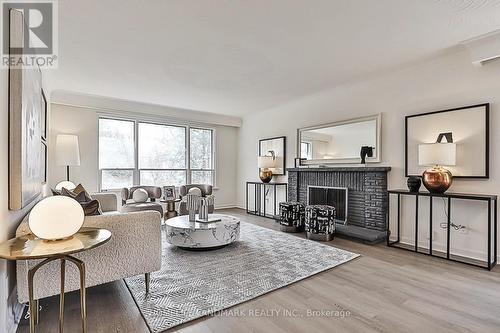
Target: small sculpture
[366,151]
[192,205]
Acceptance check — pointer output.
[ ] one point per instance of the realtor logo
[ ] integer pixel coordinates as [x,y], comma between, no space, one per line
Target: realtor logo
[29,34]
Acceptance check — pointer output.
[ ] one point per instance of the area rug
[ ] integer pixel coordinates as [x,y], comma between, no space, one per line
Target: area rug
[194,284]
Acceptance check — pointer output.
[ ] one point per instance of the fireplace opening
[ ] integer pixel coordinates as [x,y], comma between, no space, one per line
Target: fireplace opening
[332,196]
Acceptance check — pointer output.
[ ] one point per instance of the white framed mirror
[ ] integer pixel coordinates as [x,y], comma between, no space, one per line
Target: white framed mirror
[340,142]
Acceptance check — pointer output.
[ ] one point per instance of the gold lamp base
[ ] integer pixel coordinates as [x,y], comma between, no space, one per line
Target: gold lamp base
[265,175]
[437,179]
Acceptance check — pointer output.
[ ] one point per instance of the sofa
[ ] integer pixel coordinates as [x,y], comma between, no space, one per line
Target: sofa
[134,248]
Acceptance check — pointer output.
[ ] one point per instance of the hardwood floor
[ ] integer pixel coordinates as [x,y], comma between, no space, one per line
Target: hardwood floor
[385,290]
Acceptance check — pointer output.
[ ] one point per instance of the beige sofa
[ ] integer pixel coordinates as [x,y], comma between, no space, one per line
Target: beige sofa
[134,248]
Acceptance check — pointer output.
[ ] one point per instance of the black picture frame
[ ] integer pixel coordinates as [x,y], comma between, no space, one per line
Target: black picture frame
[283,142]
[486,106]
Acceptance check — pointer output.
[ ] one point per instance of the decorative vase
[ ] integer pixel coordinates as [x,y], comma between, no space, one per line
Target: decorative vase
[414,183]
[192,205]
[437,179]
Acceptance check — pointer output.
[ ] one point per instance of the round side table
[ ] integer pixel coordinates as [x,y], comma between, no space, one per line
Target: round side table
[28,247]
[170,211]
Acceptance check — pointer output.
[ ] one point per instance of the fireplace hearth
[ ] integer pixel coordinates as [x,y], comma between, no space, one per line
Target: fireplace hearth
[367,199]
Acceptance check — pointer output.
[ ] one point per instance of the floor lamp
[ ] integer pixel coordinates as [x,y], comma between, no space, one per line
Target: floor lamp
[67,151]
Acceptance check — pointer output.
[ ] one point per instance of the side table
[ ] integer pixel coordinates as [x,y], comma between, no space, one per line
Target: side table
[28,247]
[170,211]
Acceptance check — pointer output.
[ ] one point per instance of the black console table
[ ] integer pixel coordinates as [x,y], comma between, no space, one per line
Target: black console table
[448,196]
[259,189]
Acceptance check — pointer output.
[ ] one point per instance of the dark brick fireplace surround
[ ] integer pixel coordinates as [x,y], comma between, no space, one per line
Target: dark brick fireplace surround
[367,197]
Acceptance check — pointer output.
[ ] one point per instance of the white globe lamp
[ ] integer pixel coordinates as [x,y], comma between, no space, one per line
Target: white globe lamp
[55,218]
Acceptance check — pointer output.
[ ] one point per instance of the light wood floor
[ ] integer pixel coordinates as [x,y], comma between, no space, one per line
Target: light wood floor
[385,290]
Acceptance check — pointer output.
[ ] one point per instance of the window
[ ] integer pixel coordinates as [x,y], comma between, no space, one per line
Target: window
[306,150]
[116,153]
[201,156]
[142,153]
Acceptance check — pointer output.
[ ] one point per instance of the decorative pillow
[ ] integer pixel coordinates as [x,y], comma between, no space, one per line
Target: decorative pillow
[195,191]
[90,206]
[140,195]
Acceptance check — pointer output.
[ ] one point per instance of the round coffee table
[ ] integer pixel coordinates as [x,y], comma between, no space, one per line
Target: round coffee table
[201,235]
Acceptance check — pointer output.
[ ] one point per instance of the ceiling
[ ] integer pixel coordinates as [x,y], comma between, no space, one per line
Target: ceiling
[238,56]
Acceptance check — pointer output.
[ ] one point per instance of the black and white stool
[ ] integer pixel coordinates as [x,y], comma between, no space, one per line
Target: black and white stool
[320,222]
[291,216]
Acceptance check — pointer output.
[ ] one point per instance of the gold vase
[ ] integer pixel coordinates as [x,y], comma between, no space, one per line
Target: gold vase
[265,175]
[437,179]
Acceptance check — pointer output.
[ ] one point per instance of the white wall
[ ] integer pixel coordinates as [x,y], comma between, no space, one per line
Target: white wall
[444,82]
[83,122]
[9,220]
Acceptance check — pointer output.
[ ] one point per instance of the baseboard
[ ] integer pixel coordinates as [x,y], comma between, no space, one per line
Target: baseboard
[225,206]
[15,311]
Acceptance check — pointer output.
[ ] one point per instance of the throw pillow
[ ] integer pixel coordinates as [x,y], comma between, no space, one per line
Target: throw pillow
[90,206]
[140,195]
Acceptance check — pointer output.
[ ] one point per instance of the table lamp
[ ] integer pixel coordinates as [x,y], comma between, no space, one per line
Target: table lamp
[265,163]
[67,151]
[56,218]
[437,179]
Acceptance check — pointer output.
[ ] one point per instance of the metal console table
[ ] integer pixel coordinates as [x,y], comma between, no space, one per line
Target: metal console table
[448,196]
[259,204]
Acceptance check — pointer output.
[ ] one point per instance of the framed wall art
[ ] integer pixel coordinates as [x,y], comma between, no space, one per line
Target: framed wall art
[277,148]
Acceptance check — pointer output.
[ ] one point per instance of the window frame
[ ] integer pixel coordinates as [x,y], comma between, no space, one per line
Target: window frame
[136,170]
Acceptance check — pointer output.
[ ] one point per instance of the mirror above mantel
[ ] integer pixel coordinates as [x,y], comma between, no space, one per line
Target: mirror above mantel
[340,142]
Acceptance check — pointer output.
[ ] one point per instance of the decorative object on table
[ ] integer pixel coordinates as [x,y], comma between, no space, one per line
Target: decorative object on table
[470,128]
[265,163]
[26,169]
[277,148]
[203,215]
[414,183]
[205,190]
[181,292]
[56,217]
[292,216]
[437,179]
[340,142]
[29,248]
[192,205]
[140,195]
[128,205]
[366,151]
[169,193]
[320,222]
[446,251]
[277,191]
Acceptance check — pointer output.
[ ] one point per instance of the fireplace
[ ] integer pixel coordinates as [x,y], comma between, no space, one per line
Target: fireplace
[331,196]
[366,199]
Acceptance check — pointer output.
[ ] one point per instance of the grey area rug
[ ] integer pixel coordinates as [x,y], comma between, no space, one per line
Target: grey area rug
[194,284]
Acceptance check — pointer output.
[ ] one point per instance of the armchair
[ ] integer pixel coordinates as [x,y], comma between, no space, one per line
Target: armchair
[206,190]
[154,192]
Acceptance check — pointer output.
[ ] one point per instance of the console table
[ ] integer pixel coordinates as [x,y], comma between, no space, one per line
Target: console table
[491,200]
[259,189]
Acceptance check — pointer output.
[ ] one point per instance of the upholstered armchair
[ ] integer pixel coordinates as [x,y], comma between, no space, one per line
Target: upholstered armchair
[128,205]
[206,190]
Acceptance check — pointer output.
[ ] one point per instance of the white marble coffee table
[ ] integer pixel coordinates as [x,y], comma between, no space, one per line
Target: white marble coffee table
[202,236]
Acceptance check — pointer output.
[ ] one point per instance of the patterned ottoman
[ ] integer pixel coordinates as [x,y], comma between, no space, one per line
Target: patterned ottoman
[320,222]
[291,217]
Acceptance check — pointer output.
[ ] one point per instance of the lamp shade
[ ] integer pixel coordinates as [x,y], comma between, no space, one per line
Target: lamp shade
[56,217]
[437,154]
[67,150]
[265,162]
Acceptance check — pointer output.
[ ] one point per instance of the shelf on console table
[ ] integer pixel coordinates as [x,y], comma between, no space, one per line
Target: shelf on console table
[259,203]
[492,201]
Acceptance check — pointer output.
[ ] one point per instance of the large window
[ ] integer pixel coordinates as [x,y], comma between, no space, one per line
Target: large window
[142,153]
